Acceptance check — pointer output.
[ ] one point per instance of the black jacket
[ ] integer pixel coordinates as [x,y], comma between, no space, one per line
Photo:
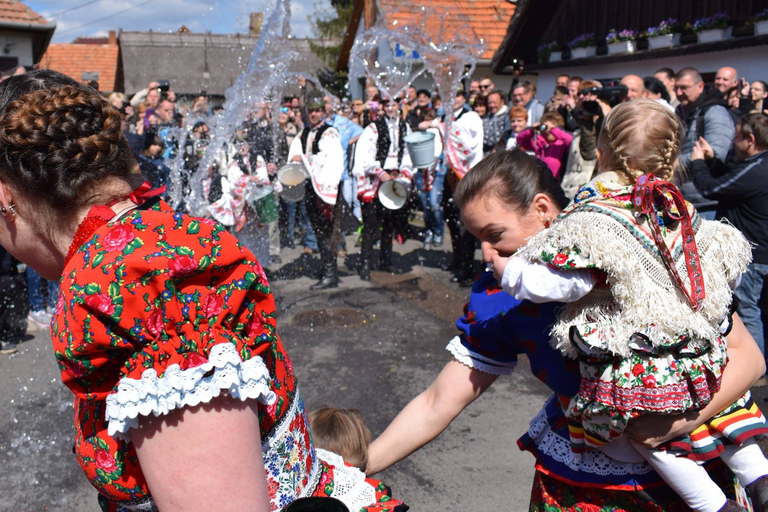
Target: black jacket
[742,192]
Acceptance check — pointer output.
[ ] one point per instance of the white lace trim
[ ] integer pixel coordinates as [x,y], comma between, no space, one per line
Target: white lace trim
[476,361]
[349,485]
[180,388]
[590,461]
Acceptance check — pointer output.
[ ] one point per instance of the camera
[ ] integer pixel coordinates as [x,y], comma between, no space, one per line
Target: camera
[163,85]
[541,128]
[612,94]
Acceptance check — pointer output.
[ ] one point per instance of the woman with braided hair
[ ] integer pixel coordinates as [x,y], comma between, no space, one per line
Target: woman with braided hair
[648,290]
[165,327]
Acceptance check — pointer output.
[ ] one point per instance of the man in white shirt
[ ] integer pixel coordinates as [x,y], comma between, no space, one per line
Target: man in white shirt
[319,147]
[381,155]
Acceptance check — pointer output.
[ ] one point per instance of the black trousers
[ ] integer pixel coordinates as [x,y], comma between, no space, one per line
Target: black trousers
[376,216]
[321,216]
[463,241]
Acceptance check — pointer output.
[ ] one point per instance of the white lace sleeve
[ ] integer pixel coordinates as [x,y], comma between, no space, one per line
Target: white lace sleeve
[539,283]
[224,370]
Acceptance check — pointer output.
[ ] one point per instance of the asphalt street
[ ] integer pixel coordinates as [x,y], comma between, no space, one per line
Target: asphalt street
[370,345]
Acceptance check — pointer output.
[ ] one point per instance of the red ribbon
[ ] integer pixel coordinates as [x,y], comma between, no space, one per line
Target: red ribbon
[651,192]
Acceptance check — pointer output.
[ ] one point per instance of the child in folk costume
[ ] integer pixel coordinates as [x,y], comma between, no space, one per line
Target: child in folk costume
[647,285]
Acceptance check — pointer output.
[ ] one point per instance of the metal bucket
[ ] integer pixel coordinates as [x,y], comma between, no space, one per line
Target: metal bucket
[292,176]
[421,147]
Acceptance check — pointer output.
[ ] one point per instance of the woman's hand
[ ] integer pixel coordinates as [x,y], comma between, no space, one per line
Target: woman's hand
[651,430]
[745,365]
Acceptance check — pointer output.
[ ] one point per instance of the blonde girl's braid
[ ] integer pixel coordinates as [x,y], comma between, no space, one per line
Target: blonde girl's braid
[642,137]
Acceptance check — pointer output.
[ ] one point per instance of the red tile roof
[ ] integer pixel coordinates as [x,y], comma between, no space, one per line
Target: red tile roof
[15,12]
[488,19]
[74,59]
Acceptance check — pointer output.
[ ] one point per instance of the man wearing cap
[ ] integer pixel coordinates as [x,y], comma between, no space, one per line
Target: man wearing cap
[381,155]
[319,147]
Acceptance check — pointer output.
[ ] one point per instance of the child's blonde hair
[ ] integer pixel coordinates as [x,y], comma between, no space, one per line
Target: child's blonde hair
[341,431]
[640,137]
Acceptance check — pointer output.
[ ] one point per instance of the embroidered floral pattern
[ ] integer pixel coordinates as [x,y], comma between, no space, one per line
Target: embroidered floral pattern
[168,301]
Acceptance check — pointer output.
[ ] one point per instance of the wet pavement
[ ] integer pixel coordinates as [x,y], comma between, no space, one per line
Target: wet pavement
[371,345]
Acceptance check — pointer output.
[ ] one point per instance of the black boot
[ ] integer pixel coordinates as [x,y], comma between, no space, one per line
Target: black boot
[330,278]
[364,270]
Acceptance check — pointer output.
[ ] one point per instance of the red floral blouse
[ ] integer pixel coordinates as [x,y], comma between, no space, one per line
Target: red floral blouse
[160,310]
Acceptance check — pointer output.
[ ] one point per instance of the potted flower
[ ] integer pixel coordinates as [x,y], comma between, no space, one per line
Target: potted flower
[761,23]
[713,28]
[664,35]
[620,42]
[583,46]
[550,52]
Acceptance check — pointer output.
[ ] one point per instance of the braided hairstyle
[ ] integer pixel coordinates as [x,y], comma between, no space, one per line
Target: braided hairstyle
[640,137]
[60,141]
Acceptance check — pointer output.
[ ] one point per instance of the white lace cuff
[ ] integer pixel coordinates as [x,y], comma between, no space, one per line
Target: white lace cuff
[180,388]
[349,485]
[478,362]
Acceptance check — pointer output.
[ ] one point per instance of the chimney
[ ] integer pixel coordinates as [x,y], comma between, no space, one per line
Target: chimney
[257,19]
[112,37]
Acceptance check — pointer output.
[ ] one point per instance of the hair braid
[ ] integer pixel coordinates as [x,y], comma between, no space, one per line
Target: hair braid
[641,137]
[57,143]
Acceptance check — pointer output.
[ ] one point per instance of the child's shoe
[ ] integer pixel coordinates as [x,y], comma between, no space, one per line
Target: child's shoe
[732,506]
[758,493]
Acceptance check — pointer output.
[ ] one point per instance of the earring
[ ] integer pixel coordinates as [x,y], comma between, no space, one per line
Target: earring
[12,207]
[547,222]
[3,211]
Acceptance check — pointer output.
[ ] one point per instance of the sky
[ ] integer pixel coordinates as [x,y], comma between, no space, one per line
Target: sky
[76,18]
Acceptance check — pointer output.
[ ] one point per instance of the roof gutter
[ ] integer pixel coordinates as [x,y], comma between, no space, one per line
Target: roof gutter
[36,27]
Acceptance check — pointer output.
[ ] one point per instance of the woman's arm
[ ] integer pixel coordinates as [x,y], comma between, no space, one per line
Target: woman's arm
[428,414]
[195,457]
[745,365]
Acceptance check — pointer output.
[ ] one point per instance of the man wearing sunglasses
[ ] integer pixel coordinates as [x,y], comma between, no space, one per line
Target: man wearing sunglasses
[319,147]
[486,86]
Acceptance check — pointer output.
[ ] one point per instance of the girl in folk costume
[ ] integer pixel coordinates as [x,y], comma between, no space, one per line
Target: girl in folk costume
[647,285]
[381,155]
[240,179]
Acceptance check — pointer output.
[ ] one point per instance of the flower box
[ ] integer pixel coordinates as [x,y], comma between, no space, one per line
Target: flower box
[584,52]
[555,56]
[717,34]
[621,47]
[665,41]
[761,27]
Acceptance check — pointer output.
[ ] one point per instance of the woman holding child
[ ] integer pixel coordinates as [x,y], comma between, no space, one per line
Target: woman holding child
[185,398]
[506,200]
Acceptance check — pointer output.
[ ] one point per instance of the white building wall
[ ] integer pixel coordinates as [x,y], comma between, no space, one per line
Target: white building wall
[16,45]
[749,62]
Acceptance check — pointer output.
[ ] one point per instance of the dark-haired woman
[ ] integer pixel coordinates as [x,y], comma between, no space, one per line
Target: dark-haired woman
[656,90]
[506,199]
[165,331]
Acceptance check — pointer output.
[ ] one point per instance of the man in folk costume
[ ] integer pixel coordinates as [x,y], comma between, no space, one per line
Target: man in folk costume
[381,155]
[319,147]
[464,150]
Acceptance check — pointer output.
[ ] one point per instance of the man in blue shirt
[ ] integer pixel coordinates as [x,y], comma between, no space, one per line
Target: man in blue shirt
[349,132]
